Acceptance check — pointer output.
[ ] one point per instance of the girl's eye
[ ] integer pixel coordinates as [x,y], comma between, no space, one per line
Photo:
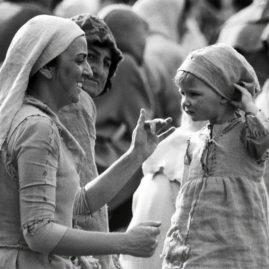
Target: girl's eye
[194,94]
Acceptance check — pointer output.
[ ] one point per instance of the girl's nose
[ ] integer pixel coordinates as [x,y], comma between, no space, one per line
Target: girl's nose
[87,71]
[185,104]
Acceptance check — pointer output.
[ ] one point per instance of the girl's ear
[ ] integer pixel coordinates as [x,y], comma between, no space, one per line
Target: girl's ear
[47,71]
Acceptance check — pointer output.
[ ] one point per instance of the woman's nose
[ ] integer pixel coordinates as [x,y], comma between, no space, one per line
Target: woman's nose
[87,70]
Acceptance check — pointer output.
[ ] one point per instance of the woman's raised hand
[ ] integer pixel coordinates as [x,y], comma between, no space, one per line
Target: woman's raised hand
[148,134]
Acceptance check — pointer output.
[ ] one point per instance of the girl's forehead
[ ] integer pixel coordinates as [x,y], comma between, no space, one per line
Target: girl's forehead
[188,80]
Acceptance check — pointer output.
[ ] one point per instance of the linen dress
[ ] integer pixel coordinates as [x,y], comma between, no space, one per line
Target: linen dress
[39,188]
[221,217]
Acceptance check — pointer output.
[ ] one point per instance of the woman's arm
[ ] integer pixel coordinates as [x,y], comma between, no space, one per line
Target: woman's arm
[36,150]
[140,241]
[145,139]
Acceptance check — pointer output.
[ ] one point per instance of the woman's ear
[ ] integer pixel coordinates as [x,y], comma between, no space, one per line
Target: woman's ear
[47,71]
[223,100]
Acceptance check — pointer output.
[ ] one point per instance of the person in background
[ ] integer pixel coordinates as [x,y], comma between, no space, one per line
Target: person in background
[221,216]
[80,118]
[163,53]
[119,108]
[244,31]
[70,8]
[14,13]
[40,170]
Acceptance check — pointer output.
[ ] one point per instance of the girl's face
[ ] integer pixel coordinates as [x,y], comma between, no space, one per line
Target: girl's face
[71,68]
[200,101]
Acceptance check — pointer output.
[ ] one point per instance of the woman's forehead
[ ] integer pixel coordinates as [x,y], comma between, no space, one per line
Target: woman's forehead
[79,45]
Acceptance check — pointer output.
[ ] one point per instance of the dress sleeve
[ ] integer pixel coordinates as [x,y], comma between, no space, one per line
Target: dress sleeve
[255,135]
[36,144]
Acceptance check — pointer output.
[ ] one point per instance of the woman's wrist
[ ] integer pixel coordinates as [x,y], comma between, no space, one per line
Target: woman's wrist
[120,246]
[137,154]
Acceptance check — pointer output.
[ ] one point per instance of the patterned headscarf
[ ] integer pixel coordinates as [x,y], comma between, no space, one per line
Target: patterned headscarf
[98,33]
[36,43]
[220,66]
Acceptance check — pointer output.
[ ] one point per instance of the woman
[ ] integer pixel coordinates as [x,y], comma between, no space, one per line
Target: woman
[43,71]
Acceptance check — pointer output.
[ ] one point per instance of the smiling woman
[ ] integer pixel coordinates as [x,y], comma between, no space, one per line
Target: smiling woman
[63,76]
[40,160]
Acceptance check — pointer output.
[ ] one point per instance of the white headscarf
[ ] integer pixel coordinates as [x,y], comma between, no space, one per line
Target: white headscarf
[36,43]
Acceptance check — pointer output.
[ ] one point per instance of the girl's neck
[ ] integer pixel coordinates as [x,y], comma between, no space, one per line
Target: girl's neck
[226,118]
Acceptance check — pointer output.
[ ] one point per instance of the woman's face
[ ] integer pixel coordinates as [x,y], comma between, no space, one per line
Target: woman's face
[100,59]
[71,68]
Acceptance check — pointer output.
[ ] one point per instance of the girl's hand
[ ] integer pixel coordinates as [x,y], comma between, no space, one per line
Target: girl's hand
[148,134]
[246,102]
[142,239]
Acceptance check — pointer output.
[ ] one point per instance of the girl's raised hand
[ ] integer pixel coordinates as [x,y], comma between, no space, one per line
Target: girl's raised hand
[246,102]
[148,134]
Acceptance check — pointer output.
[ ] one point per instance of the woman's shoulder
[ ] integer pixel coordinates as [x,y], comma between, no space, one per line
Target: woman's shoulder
[34,119]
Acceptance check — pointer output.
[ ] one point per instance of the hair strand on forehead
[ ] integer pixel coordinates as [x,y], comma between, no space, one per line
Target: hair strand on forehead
[182,77]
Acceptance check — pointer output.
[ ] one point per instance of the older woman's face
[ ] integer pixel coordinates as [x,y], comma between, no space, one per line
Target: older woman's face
[72,67]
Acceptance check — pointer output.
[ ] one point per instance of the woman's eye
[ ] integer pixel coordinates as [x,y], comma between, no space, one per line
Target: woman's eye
[107,64]
[90,56]
[81,59]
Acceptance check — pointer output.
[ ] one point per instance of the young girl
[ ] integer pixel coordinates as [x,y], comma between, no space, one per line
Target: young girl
[221,218]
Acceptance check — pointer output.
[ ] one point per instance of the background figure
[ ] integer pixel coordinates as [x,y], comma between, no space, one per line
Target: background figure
[80,118]
[209,17]
[118,108]
[156,195]
[14,13]
[244,32]
[70,8]
[163,54]
[110,2]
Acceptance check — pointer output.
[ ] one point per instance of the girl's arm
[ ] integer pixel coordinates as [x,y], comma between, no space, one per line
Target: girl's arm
[256,131]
